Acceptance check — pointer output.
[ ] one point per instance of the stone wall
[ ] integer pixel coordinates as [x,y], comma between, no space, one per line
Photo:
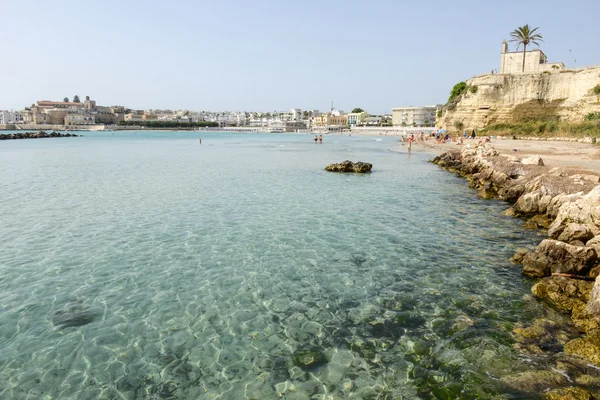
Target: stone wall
[505,98]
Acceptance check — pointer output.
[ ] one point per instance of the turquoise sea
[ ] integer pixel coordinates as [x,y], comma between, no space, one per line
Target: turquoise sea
[143,265]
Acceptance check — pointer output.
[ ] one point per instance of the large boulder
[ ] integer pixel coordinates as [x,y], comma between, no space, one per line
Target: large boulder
[574,231]
[564,294]
[553,256]
[349,166]
[584,210]
[533,160]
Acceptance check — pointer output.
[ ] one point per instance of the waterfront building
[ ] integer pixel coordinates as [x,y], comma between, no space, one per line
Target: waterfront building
[414,116]
[357,118]
[47,104]
[133,116]
[330,121]
[79,118]
[373,120]
[535,61]
[10,117]
[56,116]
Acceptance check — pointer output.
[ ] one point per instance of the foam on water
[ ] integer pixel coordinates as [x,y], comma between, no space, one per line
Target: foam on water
[148,266]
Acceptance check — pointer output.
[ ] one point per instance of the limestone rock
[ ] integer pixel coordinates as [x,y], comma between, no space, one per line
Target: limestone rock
[587,347]
[594,243]
[349,166]
[591,178]
[533,160]
[510,158]
[556,171]
[535,381]
[518,257]
[572,393]
[574,231]
[563,293]
[554,256]
[585,210]
[541,334]
[594,303]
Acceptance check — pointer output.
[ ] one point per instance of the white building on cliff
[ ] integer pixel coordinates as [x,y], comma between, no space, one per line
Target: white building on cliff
[535,61]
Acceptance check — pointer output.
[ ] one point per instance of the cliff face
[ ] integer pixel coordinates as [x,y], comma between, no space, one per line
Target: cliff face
[567,95]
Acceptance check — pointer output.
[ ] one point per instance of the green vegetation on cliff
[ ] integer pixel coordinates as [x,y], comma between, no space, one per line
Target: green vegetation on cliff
[545,128]
[457,91]
[592,116]
[169,124]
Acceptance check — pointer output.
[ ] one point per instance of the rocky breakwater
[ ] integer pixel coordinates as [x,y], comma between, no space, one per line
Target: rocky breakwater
[35,135]
[566,264]
[349,166]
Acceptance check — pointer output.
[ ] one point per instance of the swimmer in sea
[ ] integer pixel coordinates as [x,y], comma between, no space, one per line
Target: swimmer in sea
[316,138]
[321,138]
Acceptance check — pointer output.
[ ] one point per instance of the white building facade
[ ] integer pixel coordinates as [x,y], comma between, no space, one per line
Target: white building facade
[10,117]
[414,116]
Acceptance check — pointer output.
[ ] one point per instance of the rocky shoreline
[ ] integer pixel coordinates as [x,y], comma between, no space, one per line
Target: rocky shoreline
[35,135]
[567,263]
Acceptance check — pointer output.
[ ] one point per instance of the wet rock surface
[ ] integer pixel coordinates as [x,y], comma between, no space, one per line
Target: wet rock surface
[35,135]
[349,166]
[567,262]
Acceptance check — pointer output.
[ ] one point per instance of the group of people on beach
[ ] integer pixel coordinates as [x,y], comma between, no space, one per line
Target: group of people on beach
[442,137]
[319,138]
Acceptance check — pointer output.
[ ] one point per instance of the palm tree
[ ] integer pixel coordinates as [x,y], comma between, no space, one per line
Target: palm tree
[523,35]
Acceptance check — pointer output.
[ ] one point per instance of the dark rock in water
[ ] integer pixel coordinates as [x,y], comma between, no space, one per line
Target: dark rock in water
[309,357]
[358,259]
[73,316]
[164,390]
[279,371]
[35,135]
[349,166]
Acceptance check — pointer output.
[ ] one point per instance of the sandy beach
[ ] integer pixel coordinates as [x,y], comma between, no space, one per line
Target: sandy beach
[571,156]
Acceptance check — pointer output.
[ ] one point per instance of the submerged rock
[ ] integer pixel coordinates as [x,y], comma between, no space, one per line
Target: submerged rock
[536,381]
[563,293]
[572,393]
[279,370]
[71,316]
[349,166]
[309,357]
[542,335]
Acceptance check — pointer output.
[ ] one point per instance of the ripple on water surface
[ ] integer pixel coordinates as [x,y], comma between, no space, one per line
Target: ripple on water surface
[147,266]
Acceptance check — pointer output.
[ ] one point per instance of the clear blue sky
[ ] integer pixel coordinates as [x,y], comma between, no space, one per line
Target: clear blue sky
[271,55]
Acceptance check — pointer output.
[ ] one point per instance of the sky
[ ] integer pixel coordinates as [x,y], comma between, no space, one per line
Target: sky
[272,55]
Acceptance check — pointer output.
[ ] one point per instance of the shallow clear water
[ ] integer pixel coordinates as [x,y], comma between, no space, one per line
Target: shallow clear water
[145,265]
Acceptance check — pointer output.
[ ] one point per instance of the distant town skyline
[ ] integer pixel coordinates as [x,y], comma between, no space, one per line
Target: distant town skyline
[272,56]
